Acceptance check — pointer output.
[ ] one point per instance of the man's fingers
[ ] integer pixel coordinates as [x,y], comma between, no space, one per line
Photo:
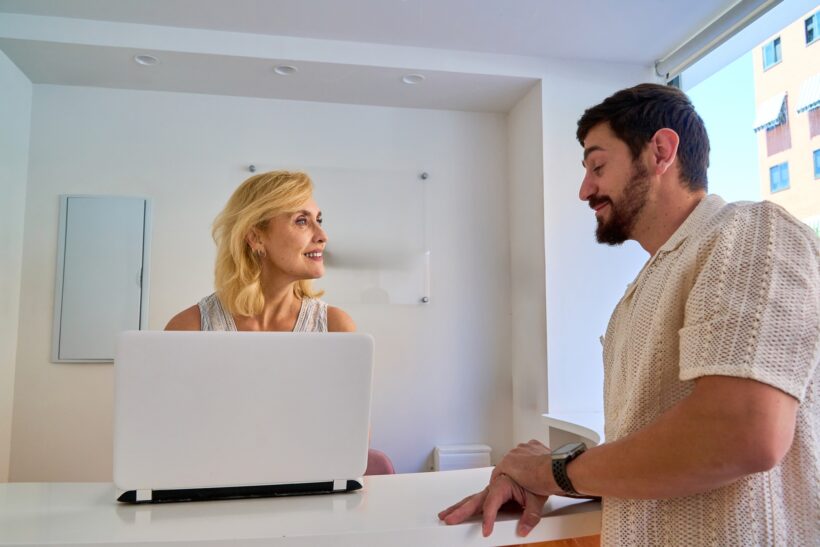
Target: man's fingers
[464,509]
[499,493]
[490,500]
[531,515]
[450,509]
[447,512]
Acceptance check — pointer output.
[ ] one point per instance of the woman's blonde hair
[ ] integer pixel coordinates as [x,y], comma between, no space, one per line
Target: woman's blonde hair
[238,270]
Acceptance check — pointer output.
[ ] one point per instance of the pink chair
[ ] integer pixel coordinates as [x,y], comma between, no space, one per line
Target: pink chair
[378,463]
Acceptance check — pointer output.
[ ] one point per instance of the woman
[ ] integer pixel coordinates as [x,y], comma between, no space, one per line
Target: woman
[270,244]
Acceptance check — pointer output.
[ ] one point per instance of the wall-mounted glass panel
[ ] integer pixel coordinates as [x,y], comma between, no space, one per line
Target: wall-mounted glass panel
[378,235]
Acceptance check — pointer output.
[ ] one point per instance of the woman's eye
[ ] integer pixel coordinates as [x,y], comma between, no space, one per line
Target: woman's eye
[319,221]
[301,220]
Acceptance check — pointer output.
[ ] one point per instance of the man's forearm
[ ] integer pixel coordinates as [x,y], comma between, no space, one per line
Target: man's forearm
[702,443]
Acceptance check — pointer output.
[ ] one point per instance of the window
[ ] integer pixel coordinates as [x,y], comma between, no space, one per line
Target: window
[813,28]
[779,177]
[771,53]
[748,110]
[817,163]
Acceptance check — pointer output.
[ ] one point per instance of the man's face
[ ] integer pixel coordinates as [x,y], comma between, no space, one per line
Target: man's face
[615,186]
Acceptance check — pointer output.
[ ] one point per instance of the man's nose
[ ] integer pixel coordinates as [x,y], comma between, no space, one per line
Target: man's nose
[587,189]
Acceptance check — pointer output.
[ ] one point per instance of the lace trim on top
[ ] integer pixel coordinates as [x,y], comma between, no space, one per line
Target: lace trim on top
[213,316]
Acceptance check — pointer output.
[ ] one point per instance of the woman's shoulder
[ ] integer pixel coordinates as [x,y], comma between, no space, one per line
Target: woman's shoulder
[339,321]
[187,319]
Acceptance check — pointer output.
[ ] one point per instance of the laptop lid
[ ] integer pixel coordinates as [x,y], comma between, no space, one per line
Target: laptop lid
[221,410]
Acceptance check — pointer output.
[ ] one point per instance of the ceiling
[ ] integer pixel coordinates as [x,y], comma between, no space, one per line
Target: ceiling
[424,35]
[633,31]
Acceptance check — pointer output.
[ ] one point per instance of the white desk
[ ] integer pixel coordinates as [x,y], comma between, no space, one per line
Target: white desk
[587,425]
[394,510]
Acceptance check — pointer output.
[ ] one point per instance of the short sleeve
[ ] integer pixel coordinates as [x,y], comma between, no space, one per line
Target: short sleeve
[754,308]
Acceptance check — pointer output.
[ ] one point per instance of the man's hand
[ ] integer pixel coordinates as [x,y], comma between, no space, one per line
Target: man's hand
[529,465]
[500,490]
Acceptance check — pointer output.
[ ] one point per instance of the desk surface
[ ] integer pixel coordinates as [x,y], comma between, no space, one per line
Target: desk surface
[396,510]
[587,425]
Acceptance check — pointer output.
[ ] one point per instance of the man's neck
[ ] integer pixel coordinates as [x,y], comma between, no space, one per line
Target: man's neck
[664,216]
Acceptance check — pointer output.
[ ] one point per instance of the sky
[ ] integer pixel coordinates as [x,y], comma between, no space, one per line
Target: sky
[726,102]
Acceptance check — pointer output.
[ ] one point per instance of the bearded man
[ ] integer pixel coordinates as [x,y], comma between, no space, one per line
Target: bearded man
[712,407]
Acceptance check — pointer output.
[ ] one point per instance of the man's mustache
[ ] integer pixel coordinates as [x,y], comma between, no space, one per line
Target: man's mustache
[595,201]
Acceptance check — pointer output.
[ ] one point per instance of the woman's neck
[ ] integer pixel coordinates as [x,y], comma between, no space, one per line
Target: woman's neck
[281,308]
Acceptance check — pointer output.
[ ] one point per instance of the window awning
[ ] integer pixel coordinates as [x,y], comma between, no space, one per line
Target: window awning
[809,97]
[771,112]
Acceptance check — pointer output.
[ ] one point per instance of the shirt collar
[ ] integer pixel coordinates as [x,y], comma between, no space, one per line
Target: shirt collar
[695,222]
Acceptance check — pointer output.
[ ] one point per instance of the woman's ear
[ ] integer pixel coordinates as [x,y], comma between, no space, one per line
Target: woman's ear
[664,149]
[252,238]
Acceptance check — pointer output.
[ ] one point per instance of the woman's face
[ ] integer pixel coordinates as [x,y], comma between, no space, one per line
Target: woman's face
[295,242]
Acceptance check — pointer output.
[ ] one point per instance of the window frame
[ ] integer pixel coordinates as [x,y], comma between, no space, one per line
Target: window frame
[777,48]
[813,19]
[816,155]
[780,168]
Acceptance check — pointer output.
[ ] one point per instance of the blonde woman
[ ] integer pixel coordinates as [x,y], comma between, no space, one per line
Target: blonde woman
[270,244]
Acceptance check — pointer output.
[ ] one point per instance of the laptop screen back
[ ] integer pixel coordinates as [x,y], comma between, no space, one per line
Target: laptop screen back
[223,409]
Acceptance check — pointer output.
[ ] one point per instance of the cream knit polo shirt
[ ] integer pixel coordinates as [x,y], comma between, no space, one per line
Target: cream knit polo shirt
[734,292]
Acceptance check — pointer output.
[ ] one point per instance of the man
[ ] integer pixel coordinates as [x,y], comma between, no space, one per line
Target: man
[711,391]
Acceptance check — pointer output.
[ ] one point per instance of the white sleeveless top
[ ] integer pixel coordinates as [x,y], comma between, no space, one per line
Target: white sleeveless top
[312,315]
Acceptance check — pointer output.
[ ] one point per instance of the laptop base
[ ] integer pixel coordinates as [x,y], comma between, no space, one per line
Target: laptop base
[236,492]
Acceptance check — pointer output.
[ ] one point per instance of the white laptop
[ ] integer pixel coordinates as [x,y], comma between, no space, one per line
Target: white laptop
[219,415]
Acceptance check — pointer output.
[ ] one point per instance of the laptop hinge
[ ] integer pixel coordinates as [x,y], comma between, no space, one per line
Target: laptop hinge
[339,485]
[144,495]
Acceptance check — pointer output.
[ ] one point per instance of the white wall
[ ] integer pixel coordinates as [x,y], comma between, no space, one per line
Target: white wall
[15,120]
[527,264]
[564,284]
[584,280]
[442,369]
[472,366]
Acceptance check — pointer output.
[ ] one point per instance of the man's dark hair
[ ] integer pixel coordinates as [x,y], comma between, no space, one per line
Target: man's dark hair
[637,113]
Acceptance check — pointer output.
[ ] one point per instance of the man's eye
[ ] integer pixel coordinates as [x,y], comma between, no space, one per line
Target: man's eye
[597,170]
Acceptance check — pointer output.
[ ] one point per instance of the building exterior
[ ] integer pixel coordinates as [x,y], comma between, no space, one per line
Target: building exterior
[787,120]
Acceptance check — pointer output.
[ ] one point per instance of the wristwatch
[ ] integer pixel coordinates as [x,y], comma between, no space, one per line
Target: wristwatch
[560,459]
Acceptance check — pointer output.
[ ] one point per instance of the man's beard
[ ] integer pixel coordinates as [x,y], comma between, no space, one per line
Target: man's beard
[624,214]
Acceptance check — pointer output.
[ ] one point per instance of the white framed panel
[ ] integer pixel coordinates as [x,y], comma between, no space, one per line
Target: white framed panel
[101,282]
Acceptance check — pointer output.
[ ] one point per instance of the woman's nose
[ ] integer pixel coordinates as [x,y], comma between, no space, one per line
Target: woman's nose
[320,235]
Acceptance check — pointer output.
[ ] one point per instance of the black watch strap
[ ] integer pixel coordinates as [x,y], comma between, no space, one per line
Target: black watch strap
[560,459]
[559,473]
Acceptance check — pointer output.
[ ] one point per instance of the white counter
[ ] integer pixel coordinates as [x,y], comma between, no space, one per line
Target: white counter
[391,510]
[587,425]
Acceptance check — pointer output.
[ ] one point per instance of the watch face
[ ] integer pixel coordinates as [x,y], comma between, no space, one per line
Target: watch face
[568,451]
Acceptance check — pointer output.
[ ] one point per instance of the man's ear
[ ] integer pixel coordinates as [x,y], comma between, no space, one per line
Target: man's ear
[664,147]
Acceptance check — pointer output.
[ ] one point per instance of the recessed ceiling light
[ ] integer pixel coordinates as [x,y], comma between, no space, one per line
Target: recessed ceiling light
[285,70]
[146,60]
[412,79]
